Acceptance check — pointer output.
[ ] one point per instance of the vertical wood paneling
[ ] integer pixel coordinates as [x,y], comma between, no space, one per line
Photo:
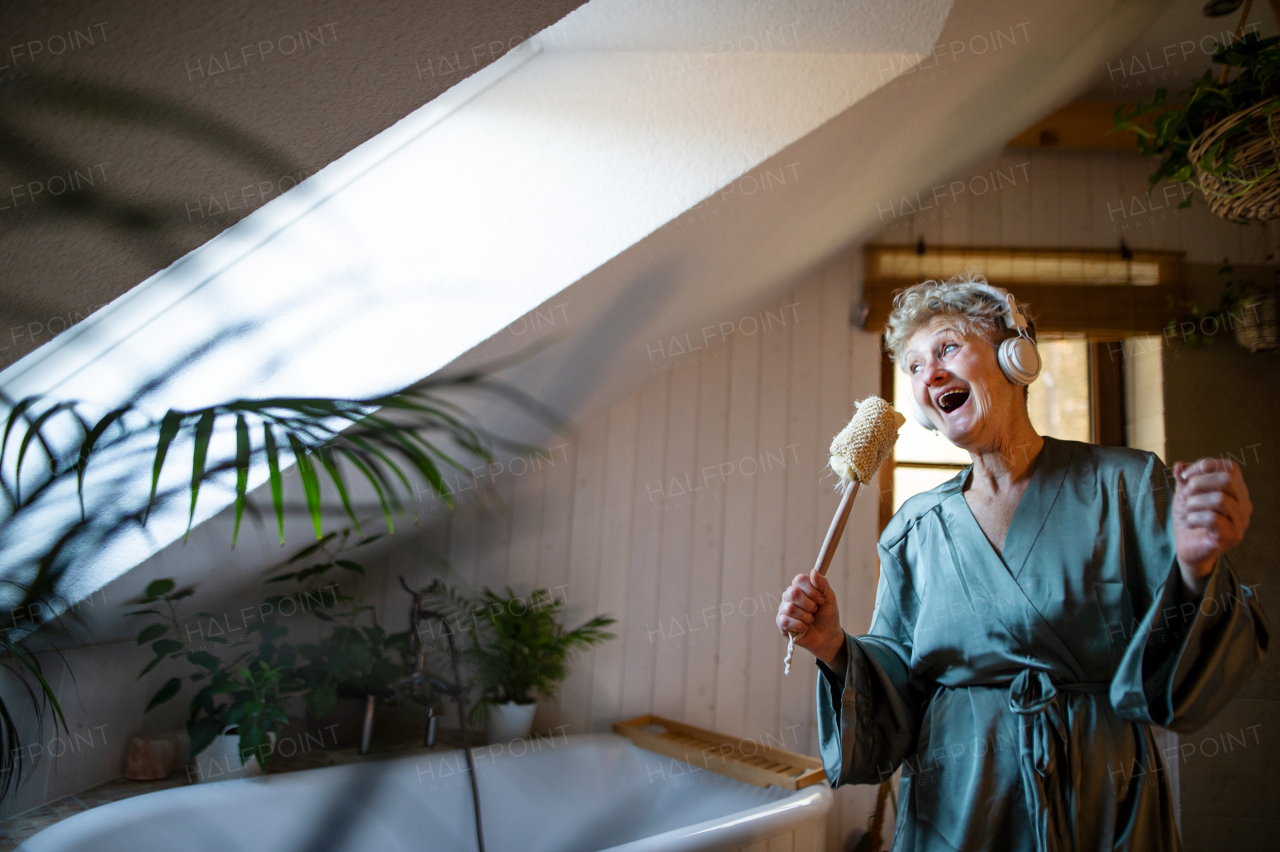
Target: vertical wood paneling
[835,408]
[464,542]
[1073,199]
[739,520]
[956,216]
[984,204]
[646,545]
[1045,187]
[768,531]
[615,556]
[708,529]
[557,515]
[674,617]
[585,564]
[805,458]
[1106,211]
[494,556]
[525,508]
[553,546]
[1008,182]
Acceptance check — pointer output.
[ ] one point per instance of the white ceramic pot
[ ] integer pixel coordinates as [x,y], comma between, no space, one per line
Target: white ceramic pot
[220,760]
[510,721]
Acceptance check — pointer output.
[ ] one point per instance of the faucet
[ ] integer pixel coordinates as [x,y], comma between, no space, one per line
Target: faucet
[457,690]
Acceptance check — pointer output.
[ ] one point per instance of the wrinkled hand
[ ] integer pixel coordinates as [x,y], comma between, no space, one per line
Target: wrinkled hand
[1211,512]
[808,609]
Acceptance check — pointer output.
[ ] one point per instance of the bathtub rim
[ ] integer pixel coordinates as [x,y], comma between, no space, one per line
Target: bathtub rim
[809,806]
[741,828]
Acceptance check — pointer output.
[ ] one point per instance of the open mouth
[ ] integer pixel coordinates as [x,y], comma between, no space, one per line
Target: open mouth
[950,400]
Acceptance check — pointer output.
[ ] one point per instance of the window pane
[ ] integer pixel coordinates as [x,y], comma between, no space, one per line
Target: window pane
[909,481]
[915,443]
[1059,400]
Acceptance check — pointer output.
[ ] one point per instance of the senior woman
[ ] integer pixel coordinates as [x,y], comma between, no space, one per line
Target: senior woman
[1035,615]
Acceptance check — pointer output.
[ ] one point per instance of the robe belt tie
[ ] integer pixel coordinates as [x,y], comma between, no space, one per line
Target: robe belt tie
[1032,695]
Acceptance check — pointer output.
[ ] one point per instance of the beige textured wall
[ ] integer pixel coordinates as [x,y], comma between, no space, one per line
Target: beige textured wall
[132,131]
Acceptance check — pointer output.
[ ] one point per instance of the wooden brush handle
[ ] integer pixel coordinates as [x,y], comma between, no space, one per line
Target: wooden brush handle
[832,541]
[829,545]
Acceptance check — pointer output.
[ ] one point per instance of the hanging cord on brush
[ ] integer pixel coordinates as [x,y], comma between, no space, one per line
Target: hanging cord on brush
[856,454]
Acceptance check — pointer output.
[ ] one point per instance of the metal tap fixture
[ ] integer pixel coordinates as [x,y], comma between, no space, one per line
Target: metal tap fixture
[457,690]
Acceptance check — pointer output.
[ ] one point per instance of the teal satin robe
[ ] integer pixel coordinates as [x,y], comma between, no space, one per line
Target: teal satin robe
[1016,693]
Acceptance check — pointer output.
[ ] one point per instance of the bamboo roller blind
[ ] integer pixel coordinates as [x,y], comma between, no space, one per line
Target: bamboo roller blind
[1094,292]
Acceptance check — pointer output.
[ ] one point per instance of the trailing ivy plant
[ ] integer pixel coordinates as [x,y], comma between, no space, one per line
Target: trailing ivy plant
[1190,317]
[1168,126]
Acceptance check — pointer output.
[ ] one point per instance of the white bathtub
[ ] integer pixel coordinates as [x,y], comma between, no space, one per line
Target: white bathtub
[565,794]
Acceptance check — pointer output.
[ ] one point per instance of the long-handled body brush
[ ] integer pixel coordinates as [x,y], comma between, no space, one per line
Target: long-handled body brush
[856,454]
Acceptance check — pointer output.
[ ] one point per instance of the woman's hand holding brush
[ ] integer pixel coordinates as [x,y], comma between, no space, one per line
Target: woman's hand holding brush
[809,612]
[856,454]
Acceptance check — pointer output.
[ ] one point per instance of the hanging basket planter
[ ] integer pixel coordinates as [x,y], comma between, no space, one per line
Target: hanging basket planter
[1222,131]
[1236,163]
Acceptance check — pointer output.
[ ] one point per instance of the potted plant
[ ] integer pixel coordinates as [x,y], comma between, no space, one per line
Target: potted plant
[1223,134]
[1245,306]
[242,703]
[357,661]
[519,652]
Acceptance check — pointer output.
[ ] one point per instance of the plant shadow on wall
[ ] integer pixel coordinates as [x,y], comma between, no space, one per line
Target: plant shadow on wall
[47,183]
[55,455]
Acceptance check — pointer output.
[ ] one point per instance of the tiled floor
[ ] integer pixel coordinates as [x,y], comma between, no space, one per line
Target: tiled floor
[14,831]
[17,829]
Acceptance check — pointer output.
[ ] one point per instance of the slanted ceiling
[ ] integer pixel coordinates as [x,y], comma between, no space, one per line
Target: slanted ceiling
[602,174]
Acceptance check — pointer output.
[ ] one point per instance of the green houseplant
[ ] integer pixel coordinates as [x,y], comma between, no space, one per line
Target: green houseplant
[247,691]
[357,657]
[48,449]
[519,651]
[1221,133]
[1245,306]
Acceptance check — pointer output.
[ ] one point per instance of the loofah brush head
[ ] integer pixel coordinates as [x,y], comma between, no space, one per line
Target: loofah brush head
[862,446]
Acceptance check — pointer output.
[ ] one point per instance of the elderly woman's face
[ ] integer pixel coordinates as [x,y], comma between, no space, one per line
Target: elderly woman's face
[957,383]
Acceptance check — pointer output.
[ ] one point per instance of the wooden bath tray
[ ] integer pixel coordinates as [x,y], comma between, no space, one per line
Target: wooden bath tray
[755,764]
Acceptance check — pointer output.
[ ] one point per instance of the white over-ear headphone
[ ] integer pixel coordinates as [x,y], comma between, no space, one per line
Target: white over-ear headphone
[1018,356]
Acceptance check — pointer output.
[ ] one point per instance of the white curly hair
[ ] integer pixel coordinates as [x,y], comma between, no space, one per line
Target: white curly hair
[964,299]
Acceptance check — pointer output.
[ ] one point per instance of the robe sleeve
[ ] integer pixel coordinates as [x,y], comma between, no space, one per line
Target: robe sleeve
[868,715]
[1186,658]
